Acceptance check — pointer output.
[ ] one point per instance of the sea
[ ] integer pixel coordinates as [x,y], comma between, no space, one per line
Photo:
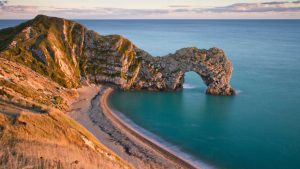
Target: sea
[259,128]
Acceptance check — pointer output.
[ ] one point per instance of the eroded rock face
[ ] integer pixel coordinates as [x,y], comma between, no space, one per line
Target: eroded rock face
[71,55]
[213,66]
[114,59]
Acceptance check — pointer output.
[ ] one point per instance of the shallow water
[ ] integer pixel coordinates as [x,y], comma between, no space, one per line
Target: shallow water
[258,128]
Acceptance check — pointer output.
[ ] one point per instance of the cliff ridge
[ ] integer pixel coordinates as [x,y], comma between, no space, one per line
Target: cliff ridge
[70,54]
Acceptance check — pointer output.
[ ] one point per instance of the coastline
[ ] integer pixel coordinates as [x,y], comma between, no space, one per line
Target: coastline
[145,139]
[92,110]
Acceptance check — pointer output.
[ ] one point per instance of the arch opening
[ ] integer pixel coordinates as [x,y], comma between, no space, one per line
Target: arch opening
[193,80]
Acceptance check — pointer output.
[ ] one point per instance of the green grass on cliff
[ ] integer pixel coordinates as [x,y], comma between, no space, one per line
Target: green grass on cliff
[46,35]
[8,34]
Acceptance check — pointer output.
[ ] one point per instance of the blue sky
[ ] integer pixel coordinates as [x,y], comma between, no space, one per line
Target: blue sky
[152,9]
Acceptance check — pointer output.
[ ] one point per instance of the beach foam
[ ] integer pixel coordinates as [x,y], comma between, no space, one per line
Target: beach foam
[162,143]
[189,86]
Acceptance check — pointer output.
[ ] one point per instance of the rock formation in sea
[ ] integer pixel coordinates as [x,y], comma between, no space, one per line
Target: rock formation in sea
[70,54]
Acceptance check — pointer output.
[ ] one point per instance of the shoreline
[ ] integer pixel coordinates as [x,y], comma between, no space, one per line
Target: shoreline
[88,110]
[142,137]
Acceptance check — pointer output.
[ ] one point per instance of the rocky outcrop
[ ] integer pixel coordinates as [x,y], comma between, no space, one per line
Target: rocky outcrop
[160,73]
[70,55]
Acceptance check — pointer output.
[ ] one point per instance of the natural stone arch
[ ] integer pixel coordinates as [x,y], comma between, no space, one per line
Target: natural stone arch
[211,65]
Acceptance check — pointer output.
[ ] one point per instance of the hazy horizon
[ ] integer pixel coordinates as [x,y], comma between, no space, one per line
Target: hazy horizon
[168,9]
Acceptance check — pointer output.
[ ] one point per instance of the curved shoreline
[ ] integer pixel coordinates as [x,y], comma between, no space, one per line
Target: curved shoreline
[110,114]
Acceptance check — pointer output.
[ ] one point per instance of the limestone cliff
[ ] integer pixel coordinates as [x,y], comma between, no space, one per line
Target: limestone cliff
[70,55]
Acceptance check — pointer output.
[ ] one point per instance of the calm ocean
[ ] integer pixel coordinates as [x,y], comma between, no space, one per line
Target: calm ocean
[258,128]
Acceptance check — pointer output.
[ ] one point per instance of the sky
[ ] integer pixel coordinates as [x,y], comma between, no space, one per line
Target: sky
[151,9]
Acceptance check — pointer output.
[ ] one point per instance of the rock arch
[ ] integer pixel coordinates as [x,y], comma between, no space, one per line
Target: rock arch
[213,66]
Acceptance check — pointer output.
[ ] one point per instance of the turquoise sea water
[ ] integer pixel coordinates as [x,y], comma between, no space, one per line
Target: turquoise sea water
[258,128]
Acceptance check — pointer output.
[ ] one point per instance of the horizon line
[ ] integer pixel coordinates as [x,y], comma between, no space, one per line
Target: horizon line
[158,19]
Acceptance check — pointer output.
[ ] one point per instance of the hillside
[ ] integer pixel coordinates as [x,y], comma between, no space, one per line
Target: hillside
[35,91]
[49,140]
